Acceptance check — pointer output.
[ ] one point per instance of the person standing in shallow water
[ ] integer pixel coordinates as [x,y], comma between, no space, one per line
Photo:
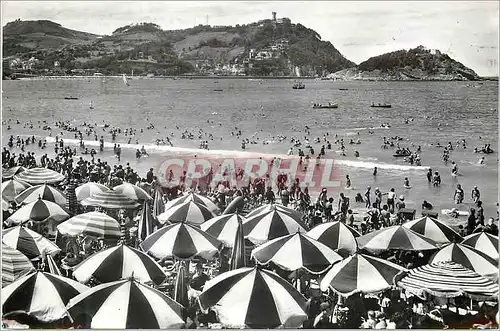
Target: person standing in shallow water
[367,197]
[459,195]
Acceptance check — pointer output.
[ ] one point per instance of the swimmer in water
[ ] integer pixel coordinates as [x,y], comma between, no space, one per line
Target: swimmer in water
[347,181]
[481,160]
[407,183]
[454,169]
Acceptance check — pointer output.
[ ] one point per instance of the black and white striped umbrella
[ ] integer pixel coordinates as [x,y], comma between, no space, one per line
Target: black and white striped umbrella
[433,229]
[41,295]
[336,235]
[11,172]
[158,203]
[484,242]
[270,225]
[182,241]
[396,237]
[447,280]
[132,192]
[110,200]
[94,224]
[271,206]
[360,273]
[223,227]
[296,251]
[254,298]
[39,211]
[189,211]
[118,263]
[11,188]
[125,304]
[14,265]
[36,176]
[199,199]
[44,191]
[146,222]
[468,257]
[86,190]
[28,242]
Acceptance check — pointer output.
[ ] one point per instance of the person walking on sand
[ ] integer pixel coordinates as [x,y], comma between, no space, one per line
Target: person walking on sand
[475,194]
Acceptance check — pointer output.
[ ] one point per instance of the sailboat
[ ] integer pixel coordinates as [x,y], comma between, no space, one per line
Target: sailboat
[125,81]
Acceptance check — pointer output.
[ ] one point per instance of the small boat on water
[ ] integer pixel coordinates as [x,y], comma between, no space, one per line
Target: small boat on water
[381,105]
[343,89]
[328,106]
[218,90]
[298,86]
[402,153]
[70,98]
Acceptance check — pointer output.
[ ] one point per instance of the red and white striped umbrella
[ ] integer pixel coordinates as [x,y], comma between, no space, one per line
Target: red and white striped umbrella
[199,199]
[36,176]
[44,191]
[110,200]
[11,172]
[11,188]
[189,211]
[86,190]
[14,265]
[133,192]
[396,237]
[94,224]
[39,211]
[483,242]
[182,241]
[28,242]
[223,227]
[337,236]
[433,229]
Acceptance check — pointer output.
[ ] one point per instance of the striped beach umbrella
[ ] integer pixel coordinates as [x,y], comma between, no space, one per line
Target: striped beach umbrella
[447,280]
[199,199]
[271,225]
[182,241]
[396,237]
[296,251]
[44,191]
[86,190]
[36,176]
[468,257]
[189,211]
[223,227]
[117,263]
[360,273]
[11,188]
[433,229]
[110,200]
[132,192]
[11,172]
[28,242]
[93,224]
[158,204]
[146,222]
[14,265]
[254,298]
[40,295]
[484,242]
[337,236]
[271,206]
[181,286]
[125,304]
[238,253]
[39,211]
[53,268]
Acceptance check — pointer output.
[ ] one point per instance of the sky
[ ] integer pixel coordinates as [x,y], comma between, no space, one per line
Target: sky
[468,31]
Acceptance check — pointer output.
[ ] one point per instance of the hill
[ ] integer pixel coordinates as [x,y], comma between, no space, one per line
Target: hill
[267,48]
[418,63]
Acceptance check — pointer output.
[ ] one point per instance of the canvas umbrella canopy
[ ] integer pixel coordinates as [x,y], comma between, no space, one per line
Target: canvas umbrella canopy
[86,190]
[5,205]
[125,304]
[238,257]
[254,298]
[468,257]
[271,206]
[296,251]
[93,224]
[14,265]
[270,225]
[132,192]
[28,242]
[110,200]
[146,222]
[360,273]
[119,262]
[447,279]
[433,229]
[36,176]
[337,236]
[39,211]
[158,204]
[396,237]
[189,211]
[223,227]
[199,199]
[44,191]
[40,295]
[182,241]
[181,286]
[11,188]
[484,242]
[11,172]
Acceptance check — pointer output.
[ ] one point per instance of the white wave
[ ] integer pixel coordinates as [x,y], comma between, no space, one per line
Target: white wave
[372,128]
[371,165]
